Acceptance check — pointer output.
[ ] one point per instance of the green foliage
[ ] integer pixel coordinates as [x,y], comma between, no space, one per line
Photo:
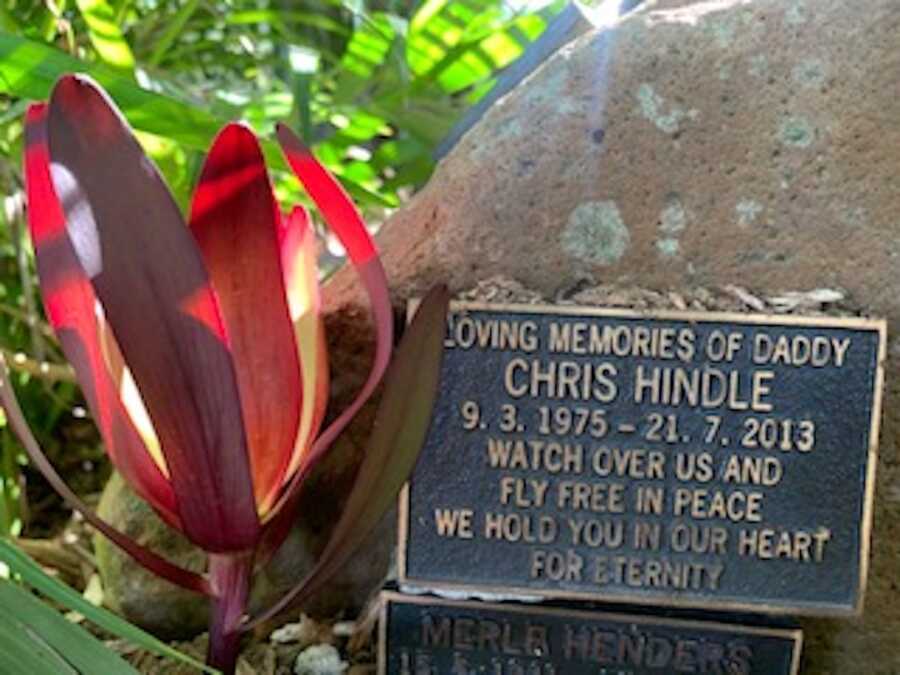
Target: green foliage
[371,85]
[35,638]
[106,35]
[352,75]
[22,332]
[11,460]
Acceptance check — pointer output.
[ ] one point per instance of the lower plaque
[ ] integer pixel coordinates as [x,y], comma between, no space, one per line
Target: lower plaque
[431,636]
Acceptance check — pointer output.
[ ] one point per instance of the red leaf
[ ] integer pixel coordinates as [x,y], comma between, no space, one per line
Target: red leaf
[149,276]
[331,199]
[401,425]
[342,216]
[153,562]
[299,260]
[236,221]
[70,303]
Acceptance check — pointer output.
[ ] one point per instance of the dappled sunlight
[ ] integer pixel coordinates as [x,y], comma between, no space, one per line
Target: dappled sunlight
[225,188]
[202,308]
[134,404]
[81,225]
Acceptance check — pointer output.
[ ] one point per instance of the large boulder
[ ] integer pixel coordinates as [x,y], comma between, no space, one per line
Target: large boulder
[691,144]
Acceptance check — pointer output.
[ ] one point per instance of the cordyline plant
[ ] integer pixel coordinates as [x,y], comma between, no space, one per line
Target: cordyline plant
[200,347]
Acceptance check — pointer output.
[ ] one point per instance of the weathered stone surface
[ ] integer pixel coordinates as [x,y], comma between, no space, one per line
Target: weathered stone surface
[695,144]
[129,589]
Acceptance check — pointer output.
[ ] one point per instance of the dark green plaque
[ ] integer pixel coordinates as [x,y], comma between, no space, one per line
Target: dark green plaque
[719,461]
[429,636]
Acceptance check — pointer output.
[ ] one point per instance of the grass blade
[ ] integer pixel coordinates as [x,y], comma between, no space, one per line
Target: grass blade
[173,30]
[49,631]
[32,575]
[18,655]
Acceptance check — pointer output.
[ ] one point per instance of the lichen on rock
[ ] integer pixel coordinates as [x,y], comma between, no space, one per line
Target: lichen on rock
[595,232]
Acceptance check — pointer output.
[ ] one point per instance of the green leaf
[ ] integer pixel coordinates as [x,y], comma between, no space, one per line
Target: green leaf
[460,48]
[10,516]
[284,18]
[53,639]
[18,655]
[369,46]
[105,34]
[174,29]
[271,107]
[7,20]
[363,125]
[29,69]
[428,10]
[31,574]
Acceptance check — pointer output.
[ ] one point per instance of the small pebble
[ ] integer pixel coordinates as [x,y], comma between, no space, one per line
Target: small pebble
[319,660]
[343,628]
[289,632]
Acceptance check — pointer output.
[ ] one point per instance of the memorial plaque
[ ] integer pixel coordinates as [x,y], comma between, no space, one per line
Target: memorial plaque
[428,636]
[721,461]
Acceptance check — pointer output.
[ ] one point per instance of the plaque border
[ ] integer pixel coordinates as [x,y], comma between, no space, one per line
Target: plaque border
[878,326]
[386,597]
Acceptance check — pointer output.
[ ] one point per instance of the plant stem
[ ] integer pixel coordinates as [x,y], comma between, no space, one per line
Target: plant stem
[50,372]
[229,576]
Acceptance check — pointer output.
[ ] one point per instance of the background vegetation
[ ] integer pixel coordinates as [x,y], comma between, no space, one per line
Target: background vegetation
[372,85]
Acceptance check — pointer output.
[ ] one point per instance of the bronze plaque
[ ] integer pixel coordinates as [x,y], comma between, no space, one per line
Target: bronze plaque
[721,461]
[430,636]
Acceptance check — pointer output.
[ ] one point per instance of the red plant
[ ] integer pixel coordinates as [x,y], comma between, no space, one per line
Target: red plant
[200,346]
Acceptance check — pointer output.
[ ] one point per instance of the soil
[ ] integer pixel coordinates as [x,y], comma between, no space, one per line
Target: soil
[818,302]
[272,655]
[79,457]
